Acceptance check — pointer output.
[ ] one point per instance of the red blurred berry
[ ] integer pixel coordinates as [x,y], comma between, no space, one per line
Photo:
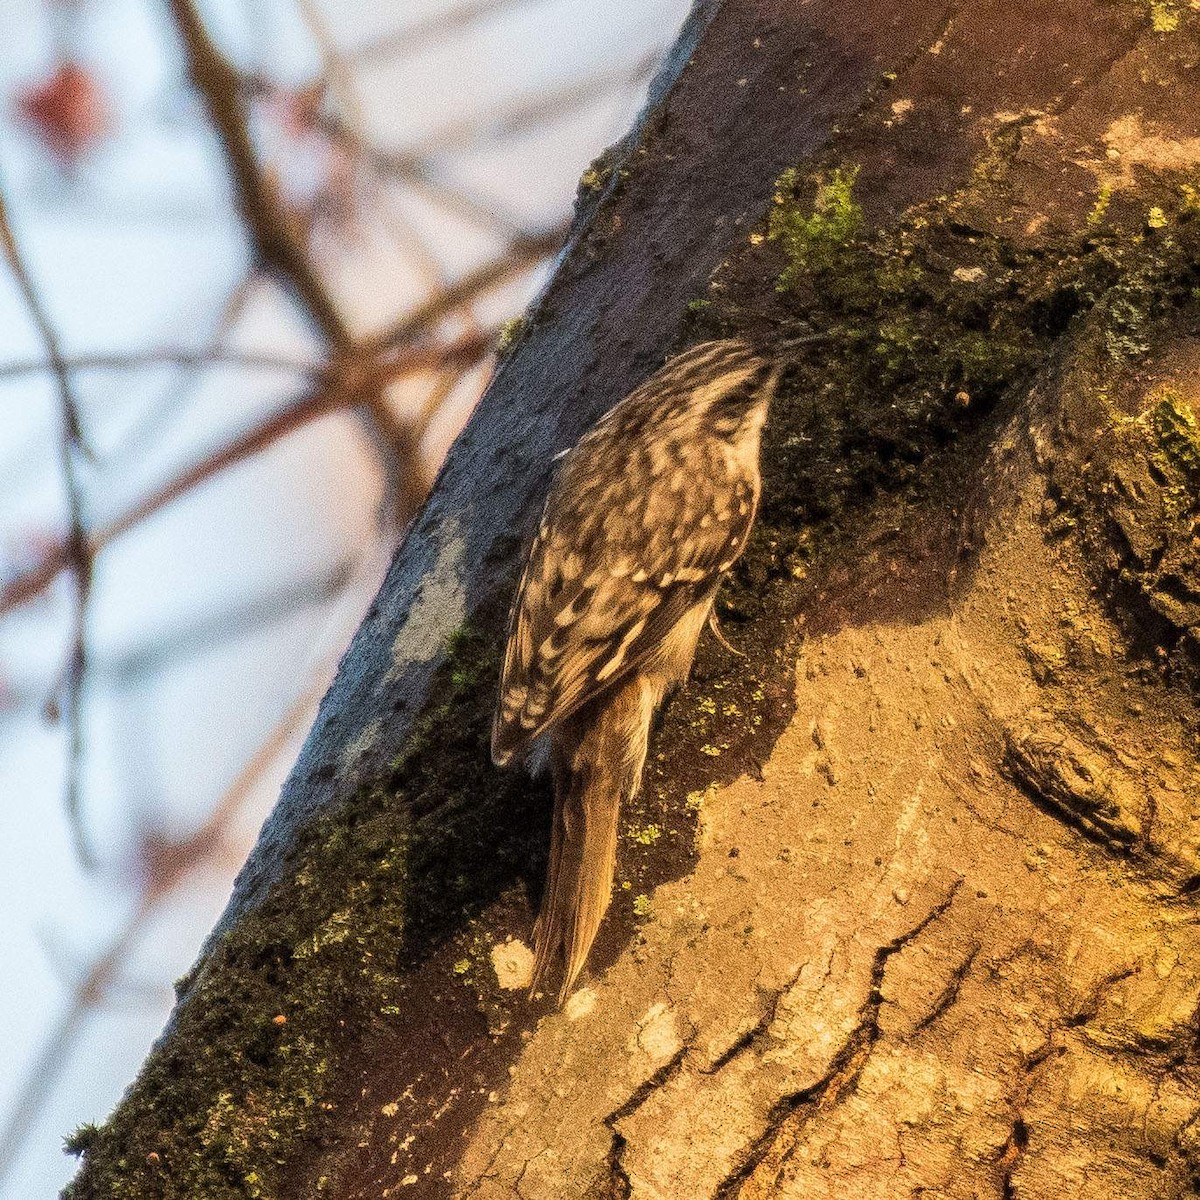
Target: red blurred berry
[69,110]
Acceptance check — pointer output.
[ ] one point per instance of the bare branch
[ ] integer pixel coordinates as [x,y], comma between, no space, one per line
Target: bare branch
[174,401]
[200,635]
[46,331]
[519,117]
[352,388]
[278,242]
[418,34]
[168,865]
[523,254]
[75,544]
[415,171]
[149,359]
[51,1060]
[341,84]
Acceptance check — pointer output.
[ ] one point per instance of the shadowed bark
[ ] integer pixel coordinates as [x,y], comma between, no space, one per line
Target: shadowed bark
[905,907]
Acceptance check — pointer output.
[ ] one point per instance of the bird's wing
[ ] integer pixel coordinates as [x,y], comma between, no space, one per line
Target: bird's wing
[589,610]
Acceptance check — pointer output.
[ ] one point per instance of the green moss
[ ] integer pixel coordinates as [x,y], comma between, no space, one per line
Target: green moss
[248,1077]
[641,906]
[511,333]
[82,1139]
[1165,15]
[1172,424]
[927,325]
[598,175]
[1095,218]
[645,835]
[467,659]
[813,238]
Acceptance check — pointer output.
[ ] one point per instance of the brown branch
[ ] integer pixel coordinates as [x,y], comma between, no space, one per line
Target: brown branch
[276,237]
[415,171]
[167,864]
[51,1060]
[519,117]
[342,87]
[176,400]
[41,319]
[352,388]
[77,552]
[279,243]
[417,34]
[148,360]
[483,211]
[523,253]
[172,402]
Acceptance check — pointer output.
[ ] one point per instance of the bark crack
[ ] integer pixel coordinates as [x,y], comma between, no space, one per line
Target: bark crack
[847,1064]
[758,1031]
[1015,1148]
[949,993]
[621,1187]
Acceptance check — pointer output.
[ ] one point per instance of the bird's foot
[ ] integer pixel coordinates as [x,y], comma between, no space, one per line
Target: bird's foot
[716,632]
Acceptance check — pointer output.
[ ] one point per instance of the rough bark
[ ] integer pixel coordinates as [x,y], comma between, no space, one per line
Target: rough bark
[906,907]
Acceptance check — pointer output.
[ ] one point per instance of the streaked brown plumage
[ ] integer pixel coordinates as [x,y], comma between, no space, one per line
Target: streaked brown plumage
[646,513]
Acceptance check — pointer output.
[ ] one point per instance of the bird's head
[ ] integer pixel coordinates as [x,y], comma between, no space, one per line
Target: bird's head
[725,384]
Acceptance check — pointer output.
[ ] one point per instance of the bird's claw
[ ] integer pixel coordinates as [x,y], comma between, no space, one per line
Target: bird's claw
[716,632]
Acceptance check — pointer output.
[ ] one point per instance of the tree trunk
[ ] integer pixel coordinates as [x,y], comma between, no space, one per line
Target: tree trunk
[905,907]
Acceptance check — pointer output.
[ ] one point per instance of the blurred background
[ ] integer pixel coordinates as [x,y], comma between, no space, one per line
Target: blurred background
[255,259]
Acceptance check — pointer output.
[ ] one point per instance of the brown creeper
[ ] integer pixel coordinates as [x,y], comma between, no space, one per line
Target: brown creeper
[646,513]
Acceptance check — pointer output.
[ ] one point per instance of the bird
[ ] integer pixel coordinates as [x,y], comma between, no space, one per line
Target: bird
[645,515]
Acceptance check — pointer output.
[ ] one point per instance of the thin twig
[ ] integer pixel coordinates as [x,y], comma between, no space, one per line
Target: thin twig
[274,232]
[523,253]
[335,395]
[149,359]
[519,117]
[45,327]
[151,423]
[76,545]
[418,34]
[166,865]
[279,243]
[396,441]
[483,211]
[51,1060]
[341,84]
[228,623]
[171,865]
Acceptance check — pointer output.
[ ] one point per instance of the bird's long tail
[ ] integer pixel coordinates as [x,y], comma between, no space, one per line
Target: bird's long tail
[598,757]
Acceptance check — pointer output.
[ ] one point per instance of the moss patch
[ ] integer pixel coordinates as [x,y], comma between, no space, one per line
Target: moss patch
[814,240]
[1171,425]
[925,327]
[512,333]
[235,1097]
[1137,499]
[1165,15]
